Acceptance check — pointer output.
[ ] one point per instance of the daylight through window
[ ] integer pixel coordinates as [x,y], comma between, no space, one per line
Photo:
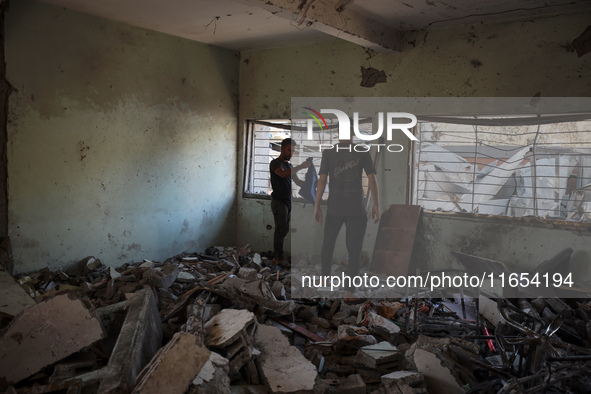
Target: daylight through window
[505,166]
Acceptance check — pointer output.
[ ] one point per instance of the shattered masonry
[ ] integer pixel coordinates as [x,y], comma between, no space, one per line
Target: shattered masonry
[222,321]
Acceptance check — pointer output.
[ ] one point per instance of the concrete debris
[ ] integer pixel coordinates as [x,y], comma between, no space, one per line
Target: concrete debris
[403,382]
[283,367]
[213,377]
[251,294]
[355,336]
[46,333]
[231,332]
[135,335]
[13,297]
[382,355]
[174,367]
[222,321]
[248,273]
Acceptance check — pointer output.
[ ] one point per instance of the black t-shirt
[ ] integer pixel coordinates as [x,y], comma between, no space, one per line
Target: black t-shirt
[345,170]
[281,186]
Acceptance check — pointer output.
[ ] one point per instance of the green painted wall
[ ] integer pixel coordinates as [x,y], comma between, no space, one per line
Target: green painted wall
[122,141]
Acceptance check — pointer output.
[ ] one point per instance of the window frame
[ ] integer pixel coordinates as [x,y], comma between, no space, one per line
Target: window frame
[521,120]
[249,163]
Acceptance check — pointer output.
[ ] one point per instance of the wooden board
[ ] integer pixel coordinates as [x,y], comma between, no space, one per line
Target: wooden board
[395,240]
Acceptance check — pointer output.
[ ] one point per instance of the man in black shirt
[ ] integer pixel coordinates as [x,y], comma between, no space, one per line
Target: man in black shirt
[344,167]
[281,176]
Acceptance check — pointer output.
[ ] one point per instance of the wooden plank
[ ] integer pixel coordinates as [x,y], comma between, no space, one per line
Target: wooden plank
[395,240]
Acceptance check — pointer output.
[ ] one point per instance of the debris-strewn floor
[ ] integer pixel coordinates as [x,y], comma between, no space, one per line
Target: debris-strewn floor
[222,321]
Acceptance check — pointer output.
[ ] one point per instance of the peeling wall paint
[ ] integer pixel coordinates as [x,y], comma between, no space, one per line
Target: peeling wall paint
[520,58]
[122,141]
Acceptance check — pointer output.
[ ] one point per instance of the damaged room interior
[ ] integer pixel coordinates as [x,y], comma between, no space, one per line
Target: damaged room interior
[138,246]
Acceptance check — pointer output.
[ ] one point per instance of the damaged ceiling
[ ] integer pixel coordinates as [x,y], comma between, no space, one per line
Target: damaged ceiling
[255,24]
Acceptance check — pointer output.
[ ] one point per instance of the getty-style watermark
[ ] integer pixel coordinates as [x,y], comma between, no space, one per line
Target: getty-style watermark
[391,119]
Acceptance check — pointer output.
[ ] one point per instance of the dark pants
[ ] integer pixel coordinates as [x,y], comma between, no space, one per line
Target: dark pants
[282,215]
[355,231]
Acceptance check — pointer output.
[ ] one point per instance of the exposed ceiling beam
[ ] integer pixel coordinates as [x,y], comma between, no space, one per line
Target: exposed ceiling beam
[323,16]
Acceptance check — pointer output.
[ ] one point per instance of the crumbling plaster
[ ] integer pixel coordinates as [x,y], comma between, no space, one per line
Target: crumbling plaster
[122,141]
[520,58]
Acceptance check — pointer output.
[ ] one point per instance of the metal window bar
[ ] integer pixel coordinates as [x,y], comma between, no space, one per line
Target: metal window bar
[259,153]
[557,167]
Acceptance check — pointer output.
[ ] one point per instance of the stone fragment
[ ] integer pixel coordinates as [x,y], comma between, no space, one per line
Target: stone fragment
[247,273]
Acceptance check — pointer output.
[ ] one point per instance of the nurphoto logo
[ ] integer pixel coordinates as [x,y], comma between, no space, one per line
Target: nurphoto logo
[392,120]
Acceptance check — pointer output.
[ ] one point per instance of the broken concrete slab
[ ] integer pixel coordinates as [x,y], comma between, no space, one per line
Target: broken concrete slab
[446,363]
[388,309]
[249,295]
[381,326]
[355,336]
[382,355]
[247,273]
[213,377]
[162,277]
[185,277]
[174,367]
[283,368]
[438,377]
[46,333]
[138,341]
[404,382]
[13,298]
[231,332]
[228,325]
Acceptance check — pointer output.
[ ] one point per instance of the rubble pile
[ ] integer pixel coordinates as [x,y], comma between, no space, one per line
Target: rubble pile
[222,321]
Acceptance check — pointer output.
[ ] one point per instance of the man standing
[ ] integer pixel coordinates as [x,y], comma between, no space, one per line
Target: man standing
[344,167]
[281,176]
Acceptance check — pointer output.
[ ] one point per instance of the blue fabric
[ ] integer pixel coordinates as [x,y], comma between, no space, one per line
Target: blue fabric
[308,189]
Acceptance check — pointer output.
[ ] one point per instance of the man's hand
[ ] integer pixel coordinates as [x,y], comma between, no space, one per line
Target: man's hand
[375,213]
[318,215]
[305,164]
